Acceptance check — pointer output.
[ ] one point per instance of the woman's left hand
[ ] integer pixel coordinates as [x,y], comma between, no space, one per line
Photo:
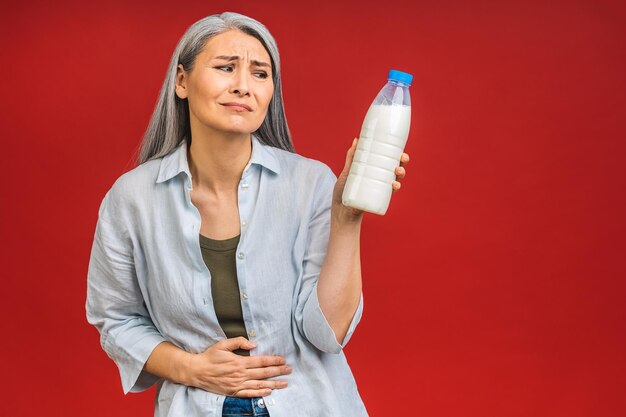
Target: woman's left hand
[345,213]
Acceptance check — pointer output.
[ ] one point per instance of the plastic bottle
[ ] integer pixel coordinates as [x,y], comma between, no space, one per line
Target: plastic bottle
[381,143]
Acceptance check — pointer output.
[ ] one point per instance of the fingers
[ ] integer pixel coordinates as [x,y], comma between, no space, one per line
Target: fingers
[400,172]
[268,372]
[259,388]
[247,393]
[271,385]
[252,362]
[235,343]
[222,371]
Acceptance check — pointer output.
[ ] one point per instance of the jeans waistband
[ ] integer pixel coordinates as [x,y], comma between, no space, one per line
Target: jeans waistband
[235,407]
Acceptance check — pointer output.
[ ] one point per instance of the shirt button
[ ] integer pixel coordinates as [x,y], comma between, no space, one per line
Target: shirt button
[251,333]
[241,255]
[244,223]
[244,295]
[244,185]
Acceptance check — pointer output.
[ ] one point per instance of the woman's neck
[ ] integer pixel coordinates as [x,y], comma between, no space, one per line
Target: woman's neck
[217,160]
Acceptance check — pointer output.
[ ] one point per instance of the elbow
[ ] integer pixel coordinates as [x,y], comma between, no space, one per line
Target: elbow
[328,334]
[329,345]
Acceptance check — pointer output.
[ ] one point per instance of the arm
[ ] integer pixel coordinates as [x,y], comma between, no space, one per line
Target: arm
[116,307]
[218,369]
[339,286]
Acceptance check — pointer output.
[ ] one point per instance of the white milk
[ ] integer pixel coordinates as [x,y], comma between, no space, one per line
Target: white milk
[383,137]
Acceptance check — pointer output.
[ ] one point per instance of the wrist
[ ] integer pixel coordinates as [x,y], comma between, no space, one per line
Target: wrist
[346,216]
[186,369]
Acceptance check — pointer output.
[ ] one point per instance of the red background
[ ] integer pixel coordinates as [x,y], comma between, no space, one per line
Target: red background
[494,286]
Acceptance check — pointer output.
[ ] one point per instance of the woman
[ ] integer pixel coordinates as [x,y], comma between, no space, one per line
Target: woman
[224,267]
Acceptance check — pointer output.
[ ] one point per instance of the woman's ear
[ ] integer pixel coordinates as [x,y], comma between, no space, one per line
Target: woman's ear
[181,82]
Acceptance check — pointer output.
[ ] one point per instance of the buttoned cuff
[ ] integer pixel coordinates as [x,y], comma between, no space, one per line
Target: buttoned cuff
[318,331]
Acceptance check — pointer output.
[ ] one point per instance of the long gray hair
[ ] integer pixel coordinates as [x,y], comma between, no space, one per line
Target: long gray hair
[169,124]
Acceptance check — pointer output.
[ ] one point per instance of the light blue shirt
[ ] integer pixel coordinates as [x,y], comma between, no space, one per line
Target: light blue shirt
[148,283]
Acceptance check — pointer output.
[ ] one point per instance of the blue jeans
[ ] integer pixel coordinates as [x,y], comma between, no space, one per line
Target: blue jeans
[238,407]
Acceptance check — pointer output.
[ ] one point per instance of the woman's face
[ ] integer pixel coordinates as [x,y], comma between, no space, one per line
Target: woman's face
[230,85]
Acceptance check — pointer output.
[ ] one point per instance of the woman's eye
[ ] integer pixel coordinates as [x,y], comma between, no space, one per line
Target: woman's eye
[227,68]
[261,74]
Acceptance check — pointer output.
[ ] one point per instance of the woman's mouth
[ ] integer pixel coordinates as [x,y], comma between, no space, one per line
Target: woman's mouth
[237,106]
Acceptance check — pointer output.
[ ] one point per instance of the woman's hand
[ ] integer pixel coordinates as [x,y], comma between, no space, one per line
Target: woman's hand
[400,171]
[345,213]
[221,371]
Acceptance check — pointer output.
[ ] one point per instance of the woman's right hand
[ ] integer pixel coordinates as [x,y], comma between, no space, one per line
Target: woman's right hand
[221,371]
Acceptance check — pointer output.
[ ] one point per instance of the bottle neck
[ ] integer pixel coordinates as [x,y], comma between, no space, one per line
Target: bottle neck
[399,83]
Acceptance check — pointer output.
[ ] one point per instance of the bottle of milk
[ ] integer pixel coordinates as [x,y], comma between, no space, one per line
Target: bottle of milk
[381,143]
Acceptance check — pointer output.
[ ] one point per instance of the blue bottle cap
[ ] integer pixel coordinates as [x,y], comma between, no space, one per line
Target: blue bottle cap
[403,77]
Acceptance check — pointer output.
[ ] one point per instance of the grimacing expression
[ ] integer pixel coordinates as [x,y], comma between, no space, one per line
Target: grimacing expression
[230,86]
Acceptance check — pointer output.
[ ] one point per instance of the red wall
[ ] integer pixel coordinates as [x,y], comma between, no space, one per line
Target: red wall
[494,286]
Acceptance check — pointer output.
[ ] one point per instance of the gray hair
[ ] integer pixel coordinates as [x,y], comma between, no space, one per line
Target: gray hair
[169,124]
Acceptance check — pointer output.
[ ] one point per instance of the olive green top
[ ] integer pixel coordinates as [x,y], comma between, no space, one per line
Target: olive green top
[219,257]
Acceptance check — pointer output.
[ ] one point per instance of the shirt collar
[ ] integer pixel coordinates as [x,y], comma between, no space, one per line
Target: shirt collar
[176,162]
[264,155]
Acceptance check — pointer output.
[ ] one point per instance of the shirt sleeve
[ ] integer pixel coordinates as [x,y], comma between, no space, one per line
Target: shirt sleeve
[115,305]
[309,316]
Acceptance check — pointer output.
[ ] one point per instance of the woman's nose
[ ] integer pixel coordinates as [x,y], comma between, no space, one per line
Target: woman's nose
[240,84]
